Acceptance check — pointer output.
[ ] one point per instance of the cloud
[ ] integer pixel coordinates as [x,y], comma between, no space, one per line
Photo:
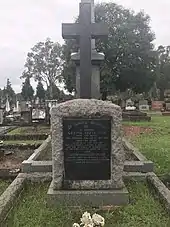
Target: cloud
[26,22]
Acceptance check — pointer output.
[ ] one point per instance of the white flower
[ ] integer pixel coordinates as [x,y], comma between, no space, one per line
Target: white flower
[76,225]
[98,220]
[86,219]
[89,225]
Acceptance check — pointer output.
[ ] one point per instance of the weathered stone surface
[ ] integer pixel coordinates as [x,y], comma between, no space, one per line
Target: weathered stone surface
[75,198]
[9,197]
[161,189]
[87,108]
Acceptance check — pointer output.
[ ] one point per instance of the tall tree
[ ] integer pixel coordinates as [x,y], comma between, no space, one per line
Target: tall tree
[44,63]
[130,59]
[163,69]
[9,92]
[40,91]
[27,90]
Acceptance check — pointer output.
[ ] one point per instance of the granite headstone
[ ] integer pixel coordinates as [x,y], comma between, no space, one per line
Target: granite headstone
[87,153]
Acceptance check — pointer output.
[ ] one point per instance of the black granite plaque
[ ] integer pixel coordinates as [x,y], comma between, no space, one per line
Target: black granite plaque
[87,148]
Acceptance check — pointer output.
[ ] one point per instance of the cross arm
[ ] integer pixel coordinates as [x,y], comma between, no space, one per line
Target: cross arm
[99,30]
[70,31]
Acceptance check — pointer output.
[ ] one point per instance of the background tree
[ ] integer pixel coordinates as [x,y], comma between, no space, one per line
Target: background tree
[44,63]
[163,69]
[40,92]
[130,58]
[9,92]
[56,92]
[27,90]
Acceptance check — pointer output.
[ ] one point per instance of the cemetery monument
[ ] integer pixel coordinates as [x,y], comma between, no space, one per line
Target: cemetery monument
[85,30]
[1,116]
[96,60]
[87,149]
[167,103]
[26,117]
[133,114]
[143,105]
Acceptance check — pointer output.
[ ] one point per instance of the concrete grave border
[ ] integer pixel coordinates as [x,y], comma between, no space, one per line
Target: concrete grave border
[31,165]
[8,137]
[12,194]
[142,165]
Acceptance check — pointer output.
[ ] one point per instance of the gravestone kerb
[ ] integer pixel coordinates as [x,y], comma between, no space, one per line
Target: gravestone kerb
[87,108]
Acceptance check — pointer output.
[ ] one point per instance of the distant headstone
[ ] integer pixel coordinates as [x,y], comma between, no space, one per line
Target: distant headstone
[24,106]
[1,116]
[129,102]
[25,113]
[143,102]
[167,106]
[143,105]
[38,114]
[26,117]
[167,99]
[7,105]
[37,101]
[157,105]
[130,105]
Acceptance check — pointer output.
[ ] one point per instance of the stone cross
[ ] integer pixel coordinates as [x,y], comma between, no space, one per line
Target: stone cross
[85,31]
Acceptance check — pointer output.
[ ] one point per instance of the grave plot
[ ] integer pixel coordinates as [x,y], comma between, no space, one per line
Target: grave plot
[41,159]
[143,210]
[18,145]
[43,130]
[3,185]
[155,145]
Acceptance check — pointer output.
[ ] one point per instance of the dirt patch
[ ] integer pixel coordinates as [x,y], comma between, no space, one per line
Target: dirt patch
[14,161]
[136,130]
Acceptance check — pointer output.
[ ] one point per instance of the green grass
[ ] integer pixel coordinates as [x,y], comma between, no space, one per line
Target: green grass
[30,130]
[19,142]
[3,185]
[144,211]
[156,122]
[156,145]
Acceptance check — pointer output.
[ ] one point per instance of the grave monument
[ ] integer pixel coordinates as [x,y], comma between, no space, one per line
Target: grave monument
[143,105]
[87,150]
[1,116]
[167,103]
[133,114]
[157,105]
[96,60]
[25,113]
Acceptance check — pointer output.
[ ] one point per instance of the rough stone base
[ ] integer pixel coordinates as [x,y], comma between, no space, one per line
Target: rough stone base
[166,113]
[94,198]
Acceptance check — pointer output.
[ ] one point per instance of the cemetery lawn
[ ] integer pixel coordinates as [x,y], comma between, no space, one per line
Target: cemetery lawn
[144,210]
[3,185]
[30,130]
[155,145]
[24,142]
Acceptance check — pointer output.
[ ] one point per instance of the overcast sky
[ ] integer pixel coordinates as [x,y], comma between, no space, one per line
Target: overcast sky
[25,22]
